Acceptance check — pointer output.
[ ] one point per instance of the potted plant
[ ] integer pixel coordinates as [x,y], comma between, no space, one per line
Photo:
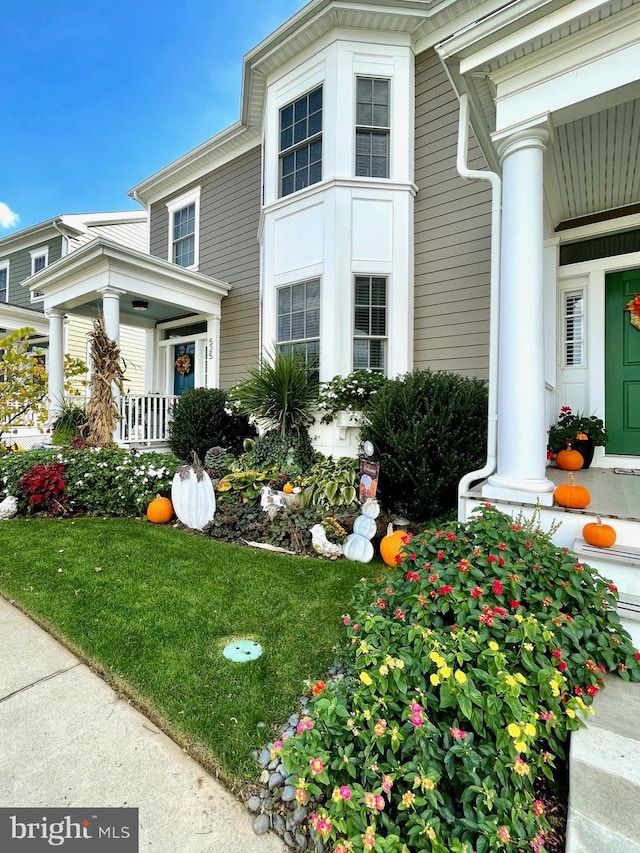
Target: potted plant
[582,432]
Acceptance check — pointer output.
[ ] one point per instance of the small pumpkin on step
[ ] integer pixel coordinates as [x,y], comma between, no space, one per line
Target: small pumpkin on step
[598,534]
[571,495]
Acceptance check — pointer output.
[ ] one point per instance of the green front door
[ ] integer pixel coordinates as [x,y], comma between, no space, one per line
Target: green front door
[622,365]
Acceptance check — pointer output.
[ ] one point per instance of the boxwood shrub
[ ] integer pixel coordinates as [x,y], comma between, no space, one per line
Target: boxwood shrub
[428,429]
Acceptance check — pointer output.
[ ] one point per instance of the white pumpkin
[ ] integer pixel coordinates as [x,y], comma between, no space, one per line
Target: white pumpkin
[192,495]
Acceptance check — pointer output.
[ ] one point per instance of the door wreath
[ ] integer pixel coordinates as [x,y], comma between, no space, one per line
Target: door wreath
[183,364]
[633,307]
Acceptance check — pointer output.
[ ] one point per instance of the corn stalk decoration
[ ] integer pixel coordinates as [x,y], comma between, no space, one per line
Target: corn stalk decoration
[107,374]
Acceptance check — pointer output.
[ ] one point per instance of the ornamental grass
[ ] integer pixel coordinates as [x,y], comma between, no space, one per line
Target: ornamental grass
[467,667]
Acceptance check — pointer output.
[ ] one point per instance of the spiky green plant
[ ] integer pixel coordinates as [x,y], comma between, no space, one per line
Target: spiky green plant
[282,391]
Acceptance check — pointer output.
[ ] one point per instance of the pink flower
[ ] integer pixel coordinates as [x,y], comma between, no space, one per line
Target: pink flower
[413,556]
[415,708]
[305,725]
[497,588]
[346,619]
[458,734]
[407,538]
[545,715]
[399,614]
[316,765]
[382,604]
[503,834]
[345,792]
[502,546]
[380,802]
[301,796]
[323,826]
[538,808]
[387,783]
[416,720]
[370,801]
[433,578]
[592,689]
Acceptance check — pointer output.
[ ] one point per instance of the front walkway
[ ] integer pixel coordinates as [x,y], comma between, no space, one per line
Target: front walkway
[70,742]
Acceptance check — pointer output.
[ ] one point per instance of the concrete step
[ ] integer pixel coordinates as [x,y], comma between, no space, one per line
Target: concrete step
[604,774]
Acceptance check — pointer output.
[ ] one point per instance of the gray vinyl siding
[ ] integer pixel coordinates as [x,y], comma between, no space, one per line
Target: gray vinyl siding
[229,250]
[20,268]
[452,236]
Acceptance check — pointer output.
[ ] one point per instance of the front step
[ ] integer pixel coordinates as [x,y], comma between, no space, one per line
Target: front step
[621,565]
[604,774]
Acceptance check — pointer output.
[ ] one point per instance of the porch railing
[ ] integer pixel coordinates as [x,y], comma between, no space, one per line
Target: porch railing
[144,419]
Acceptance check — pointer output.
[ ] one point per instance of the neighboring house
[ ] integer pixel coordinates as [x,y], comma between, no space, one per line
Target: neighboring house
[25,253]
[333,218]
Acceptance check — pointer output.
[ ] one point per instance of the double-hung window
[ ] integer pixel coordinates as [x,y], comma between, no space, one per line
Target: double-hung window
[301,143]
[39,259]
[299,320]
[184,214]
[370,323]
[372,127]
[4,281]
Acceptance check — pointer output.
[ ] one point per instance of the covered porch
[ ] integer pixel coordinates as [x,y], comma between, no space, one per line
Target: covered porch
[179,310]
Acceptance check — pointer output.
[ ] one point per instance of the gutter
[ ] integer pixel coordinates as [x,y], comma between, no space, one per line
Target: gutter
[494,304]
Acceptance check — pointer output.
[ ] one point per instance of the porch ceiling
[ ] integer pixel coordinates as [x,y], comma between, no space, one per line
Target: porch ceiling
[592,162]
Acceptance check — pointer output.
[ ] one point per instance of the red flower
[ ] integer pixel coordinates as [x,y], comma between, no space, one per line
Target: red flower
[433,578]
[502,546]
[398,559]
[440,555]
[562,666]
[501,561]
[491,559]
[407,538]
[463,565]
[612,587]
[450,536]
[413,556]
[592,689]
[399,614]
[476,592]
[445,589]
[499,611]
[318,687]
[497,588]
[382,604]
[636,655]
[515,604]
[557,653]
[413,576]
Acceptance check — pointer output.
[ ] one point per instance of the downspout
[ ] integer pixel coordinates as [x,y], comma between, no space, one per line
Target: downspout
[494,301]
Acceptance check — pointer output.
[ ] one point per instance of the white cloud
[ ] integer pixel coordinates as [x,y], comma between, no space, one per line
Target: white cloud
[7,217]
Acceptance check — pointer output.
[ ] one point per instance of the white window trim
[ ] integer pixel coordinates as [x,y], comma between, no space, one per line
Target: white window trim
[184,200]
[40,252]
[4,265]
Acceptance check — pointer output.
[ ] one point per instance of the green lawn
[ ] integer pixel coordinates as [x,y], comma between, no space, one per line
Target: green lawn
[157,615]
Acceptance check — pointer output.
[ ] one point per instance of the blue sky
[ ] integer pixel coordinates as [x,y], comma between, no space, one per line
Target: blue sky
[97,96]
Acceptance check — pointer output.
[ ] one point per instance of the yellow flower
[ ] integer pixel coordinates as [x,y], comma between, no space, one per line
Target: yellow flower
[555,687]
[510,681]
[530,730]
[571,713]
[434,679]
[431,833]
[384,670]
[408,799]
[444,671]
[493,645]
[520,677]
[437,659]
[521,746]
[364,647]
[460,676]
[365,678]
[514,730]
[521,767]
[428,784]
[366,714]
[528,646]
[518,617]
[399,663]
[389,661]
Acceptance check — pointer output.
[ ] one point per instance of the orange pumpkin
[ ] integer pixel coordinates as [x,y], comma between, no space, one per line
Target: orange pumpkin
[287,488]
[391,545]
[571,495]
[582,436]
[160,510]
[599,534]
[569,460]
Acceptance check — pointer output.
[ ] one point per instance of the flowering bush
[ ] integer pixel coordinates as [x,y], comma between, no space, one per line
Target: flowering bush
[466,667]
[350,393]
[106,482]
[569,425]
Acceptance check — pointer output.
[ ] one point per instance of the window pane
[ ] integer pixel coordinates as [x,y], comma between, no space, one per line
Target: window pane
[376,355]
[288,163]
[287,185]
[315,151]
[313,323]
[39,263]
[378,291]
[297,326]
[300,109]
[381,91]
[379,144]
[380,116]
[378,321]
[284,327]
[361,321]
[284,300]
[300,131]
[302,179]
[362,290]
[315,100]
[313,294]
[286,139]
[298,300]
[315,124]
[315,173]
[286,116]
[302,157]
[379,167]
[363,142]
[360,354]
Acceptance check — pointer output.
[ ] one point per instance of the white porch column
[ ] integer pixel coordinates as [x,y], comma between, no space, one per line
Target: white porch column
[111,311]
[212,353]
[521,389]
[56,363]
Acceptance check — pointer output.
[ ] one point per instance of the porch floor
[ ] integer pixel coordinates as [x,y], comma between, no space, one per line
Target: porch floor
[612,495]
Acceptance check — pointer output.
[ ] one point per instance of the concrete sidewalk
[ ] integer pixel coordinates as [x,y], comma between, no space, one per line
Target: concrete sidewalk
[67,740]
